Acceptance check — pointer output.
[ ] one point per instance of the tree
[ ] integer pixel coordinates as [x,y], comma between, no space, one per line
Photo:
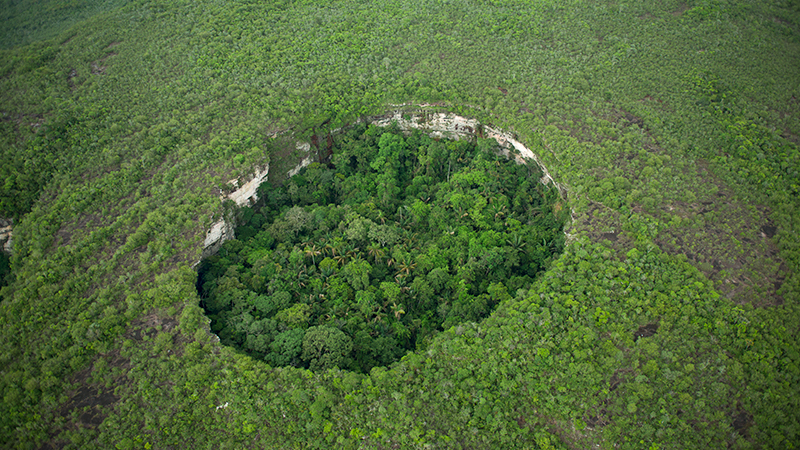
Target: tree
[376,252]
[313,252]
[357,229]
[297,219]
[357,274]
[383,273]
[385,235]
[295,316]
[326,347]
[404,265]
[286,348]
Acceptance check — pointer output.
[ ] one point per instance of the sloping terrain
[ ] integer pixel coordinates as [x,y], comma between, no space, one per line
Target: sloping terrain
[670,320]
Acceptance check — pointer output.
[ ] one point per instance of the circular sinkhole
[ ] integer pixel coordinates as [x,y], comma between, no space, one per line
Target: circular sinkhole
[367,256]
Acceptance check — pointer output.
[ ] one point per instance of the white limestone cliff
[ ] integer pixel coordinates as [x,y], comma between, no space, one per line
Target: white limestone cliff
[6,232]
[304,147]
[437,125]
[219,233]
[248,192]
[246,195]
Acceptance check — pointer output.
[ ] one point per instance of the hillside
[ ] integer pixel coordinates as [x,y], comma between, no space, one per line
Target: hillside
[670,320]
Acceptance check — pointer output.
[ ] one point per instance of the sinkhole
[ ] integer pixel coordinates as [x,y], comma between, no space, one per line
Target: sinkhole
[394,236]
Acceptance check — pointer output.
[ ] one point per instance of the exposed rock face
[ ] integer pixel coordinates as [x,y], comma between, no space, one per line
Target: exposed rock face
[436,124]
[219,233]
[452,126]
[506,140]
[243,195]
[222,230]
[5,234]
[304,147]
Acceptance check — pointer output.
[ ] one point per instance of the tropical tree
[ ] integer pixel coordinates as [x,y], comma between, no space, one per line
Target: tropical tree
[313,252]
[326,347]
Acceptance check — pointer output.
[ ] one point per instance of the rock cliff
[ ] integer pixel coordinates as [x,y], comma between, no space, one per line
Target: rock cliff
[6,232]
[246,195]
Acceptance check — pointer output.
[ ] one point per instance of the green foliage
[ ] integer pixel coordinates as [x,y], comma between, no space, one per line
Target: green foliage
[443,247]
[24,22]
[326,347]
[672,126]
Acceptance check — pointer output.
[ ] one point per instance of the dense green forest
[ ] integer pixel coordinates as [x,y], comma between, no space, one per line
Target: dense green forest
[318,278]
[669,320]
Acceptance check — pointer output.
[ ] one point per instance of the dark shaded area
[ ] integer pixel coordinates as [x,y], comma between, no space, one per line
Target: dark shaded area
[610,236]
[5,268]
[769,231]
[615,381]
[645,331]
[742,423]
[89,401]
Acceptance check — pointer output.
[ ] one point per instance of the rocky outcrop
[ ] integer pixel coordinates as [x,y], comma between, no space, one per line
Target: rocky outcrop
[247,194]
[6,232]
[304,147]
[452,126]
[217,235]
[437,125]
[524,154]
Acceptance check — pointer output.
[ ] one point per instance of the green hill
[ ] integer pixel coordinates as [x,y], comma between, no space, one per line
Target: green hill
[669,321]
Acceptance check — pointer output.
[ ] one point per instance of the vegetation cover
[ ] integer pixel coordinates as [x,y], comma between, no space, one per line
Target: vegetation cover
[670,320]
[416,235]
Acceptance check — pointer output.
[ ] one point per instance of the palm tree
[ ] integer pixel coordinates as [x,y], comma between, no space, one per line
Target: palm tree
[302,277]
[356,258]
[326,272]
[403,216]
[378,315]
[535,211]
[497,209]
[381,217]
[397,310]
[402,284]
[404,266]
[516,242]
[375,251]
[350,250]
[409,238]
[312,251]
[337,252]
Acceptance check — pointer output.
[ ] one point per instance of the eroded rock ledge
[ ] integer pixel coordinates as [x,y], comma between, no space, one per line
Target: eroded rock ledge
[436,124]
[222,230]
[6,232]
